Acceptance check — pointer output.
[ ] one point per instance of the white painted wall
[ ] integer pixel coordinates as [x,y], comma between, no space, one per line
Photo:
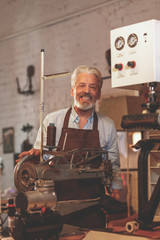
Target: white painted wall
[72,32]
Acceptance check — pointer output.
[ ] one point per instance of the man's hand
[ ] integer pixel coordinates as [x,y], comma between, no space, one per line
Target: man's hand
[115,194]
[33,152]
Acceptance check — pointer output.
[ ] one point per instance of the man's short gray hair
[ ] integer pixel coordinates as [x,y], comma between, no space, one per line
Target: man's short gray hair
[86,69]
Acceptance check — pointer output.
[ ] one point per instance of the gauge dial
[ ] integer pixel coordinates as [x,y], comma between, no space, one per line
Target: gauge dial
[132,40]
[119,43]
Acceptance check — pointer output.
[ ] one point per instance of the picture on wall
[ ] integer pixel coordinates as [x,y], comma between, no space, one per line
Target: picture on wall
[8,140]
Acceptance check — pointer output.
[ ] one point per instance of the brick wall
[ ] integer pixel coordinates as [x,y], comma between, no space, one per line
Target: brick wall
[72,33]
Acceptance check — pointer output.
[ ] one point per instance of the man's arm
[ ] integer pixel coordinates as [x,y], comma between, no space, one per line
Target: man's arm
[108,137]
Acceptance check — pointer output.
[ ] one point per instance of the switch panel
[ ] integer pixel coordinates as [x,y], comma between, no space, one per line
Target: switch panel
[135,54]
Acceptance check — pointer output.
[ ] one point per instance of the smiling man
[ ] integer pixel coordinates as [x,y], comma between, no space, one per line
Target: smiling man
[86,91]
[80,126]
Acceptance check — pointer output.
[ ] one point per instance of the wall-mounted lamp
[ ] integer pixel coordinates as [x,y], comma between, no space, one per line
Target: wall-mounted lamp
[1,164]
[30,73]
[26,145]
[108,59]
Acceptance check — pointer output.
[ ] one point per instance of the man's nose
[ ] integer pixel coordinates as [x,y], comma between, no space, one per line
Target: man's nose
[87,89]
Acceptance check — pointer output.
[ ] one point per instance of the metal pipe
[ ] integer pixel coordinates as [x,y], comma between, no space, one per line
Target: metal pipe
[44,77]
[50,76]
[41,102]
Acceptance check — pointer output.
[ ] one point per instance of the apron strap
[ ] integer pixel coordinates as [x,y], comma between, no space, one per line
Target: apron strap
[66,120]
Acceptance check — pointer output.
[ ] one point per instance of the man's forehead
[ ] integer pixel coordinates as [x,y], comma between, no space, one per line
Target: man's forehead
[87,77]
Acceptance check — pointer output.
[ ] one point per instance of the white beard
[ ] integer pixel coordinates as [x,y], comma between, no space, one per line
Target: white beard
[83,106]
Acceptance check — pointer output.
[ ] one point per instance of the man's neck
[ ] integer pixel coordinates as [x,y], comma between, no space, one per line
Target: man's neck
[84,115]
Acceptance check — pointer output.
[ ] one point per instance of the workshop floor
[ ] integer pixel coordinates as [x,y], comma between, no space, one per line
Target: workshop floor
[115,231]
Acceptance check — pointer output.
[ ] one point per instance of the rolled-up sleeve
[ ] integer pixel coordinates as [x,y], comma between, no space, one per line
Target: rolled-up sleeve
[109,141]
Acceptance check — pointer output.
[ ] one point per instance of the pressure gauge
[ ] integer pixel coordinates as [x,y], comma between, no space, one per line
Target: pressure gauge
[119,43]
[132,40]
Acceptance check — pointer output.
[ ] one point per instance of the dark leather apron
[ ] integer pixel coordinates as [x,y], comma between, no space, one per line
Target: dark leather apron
[70,139]
[78,138]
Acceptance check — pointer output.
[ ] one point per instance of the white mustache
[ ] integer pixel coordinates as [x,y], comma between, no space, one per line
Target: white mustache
[86,95]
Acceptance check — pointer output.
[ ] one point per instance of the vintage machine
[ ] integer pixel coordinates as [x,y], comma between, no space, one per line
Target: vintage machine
[40,206]
[135,55]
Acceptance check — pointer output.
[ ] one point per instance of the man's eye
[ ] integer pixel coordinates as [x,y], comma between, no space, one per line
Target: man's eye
[93,87]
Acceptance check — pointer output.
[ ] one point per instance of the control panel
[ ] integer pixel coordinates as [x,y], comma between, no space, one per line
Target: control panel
[135,54]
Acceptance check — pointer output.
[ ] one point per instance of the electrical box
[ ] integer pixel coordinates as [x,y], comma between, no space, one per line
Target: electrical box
[135,54]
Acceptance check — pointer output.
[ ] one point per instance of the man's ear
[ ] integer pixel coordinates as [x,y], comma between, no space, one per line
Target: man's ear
[99,95]
[72,91]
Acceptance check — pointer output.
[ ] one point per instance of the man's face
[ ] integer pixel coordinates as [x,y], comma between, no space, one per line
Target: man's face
[86,91]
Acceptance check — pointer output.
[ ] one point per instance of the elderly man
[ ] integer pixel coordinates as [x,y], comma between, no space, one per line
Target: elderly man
[81,127]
